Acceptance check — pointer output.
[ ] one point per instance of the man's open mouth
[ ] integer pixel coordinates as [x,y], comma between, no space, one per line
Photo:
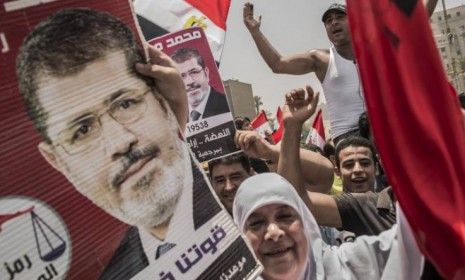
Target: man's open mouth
[337,31]
[359,180]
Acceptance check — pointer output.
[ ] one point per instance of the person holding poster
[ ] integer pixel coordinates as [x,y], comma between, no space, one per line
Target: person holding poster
[204,100]
[111,133]
[210,129]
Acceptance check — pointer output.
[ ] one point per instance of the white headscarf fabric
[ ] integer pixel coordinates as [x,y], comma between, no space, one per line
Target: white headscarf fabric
[270,188]
[368,257]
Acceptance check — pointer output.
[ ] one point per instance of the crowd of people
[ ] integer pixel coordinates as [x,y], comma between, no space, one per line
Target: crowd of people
[279,195]
[297,229]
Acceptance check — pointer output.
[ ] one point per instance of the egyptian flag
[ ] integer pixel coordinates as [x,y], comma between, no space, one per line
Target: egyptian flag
[278,133]
[158,17]
[260,124]
[316,136]
[416,121]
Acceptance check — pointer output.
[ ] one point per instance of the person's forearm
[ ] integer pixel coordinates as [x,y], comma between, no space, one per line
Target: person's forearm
[289,159]
[267,51]
[317,171]
[181,111]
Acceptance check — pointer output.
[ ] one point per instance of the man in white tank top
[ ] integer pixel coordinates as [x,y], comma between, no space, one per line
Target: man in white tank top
[335,68]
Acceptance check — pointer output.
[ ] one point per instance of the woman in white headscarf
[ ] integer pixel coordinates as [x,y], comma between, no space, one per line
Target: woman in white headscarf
[286,239]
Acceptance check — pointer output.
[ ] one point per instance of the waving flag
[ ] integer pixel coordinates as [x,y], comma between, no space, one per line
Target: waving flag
[316,136]
[260,124]
[416,122]
[278,133]
[158,17]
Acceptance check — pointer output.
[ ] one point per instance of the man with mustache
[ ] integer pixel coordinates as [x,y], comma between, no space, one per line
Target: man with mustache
[204,101]
[111,133]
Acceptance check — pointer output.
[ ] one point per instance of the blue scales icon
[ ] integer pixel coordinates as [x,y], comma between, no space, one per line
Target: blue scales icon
[50,244]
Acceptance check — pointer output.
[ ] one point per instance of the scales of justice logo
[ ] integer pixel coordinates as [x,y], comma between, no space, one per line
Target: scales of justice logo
[34,240]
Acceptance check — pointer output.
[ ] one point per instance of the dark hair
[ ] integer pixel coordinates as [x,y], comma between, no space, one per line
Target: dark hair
[230,159]
[239,122]
[354,141]
[364,125]
[311,147]
[63,45]
[462,100]
[184,54]
[329,149]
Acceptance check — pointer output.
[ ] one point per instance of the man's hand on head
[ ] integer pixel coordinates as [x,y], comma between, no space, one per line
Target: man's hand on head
[250,22]
[168,82]
[253,145]
[300,105]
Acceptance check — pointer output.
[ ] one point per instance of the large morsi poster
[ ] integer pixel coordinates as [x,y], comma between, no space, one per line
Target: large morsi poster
[93,170]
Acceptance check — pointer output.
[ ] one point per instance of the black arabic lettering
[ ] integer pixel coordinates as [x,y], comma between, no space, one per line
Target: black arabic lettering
[51,272]
[197,252]
[29,264]
[167,276]
[11,272]
[53,269]
[207,246]
[218,234]
[186,261]
[19,266]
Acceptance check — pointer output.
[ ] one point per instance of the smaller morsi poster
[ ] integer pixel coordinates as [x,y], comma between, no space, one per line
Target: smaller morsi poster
[210,129]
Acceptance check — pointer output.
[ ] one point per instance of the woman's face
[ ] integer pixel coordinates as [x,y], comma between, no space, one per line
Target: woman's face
[277,237]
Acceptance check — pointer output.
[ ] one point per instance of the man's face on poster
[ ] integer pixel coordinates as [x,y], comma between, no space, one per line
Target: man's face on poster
[114,140]
[196,79]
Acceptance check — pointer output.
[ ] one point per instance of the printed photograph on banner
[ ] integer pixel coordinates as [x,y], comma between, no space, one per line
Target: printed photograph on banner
[210,129]
[97,181]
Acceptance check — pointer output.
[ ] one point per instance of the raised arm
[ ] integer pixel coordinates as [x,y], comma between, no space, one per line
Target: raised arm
[295,112]
[318,175]
[168,82]
[295,64]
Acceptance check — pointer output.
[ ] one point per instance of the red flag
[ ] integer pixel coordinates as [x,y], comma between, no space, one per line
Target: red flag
[278,133]
[416,122]
[158,17]
[316,136]
[261,124]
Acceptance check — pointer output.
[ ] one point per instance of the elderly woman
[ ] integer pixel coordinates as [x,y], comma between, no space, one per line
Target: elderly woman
[286,239]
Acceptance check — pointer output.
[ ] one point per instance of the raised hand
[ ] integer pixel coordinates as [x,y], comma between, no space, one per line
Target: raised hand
[168,82]
[250,22]
[299,105]
[252,144]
